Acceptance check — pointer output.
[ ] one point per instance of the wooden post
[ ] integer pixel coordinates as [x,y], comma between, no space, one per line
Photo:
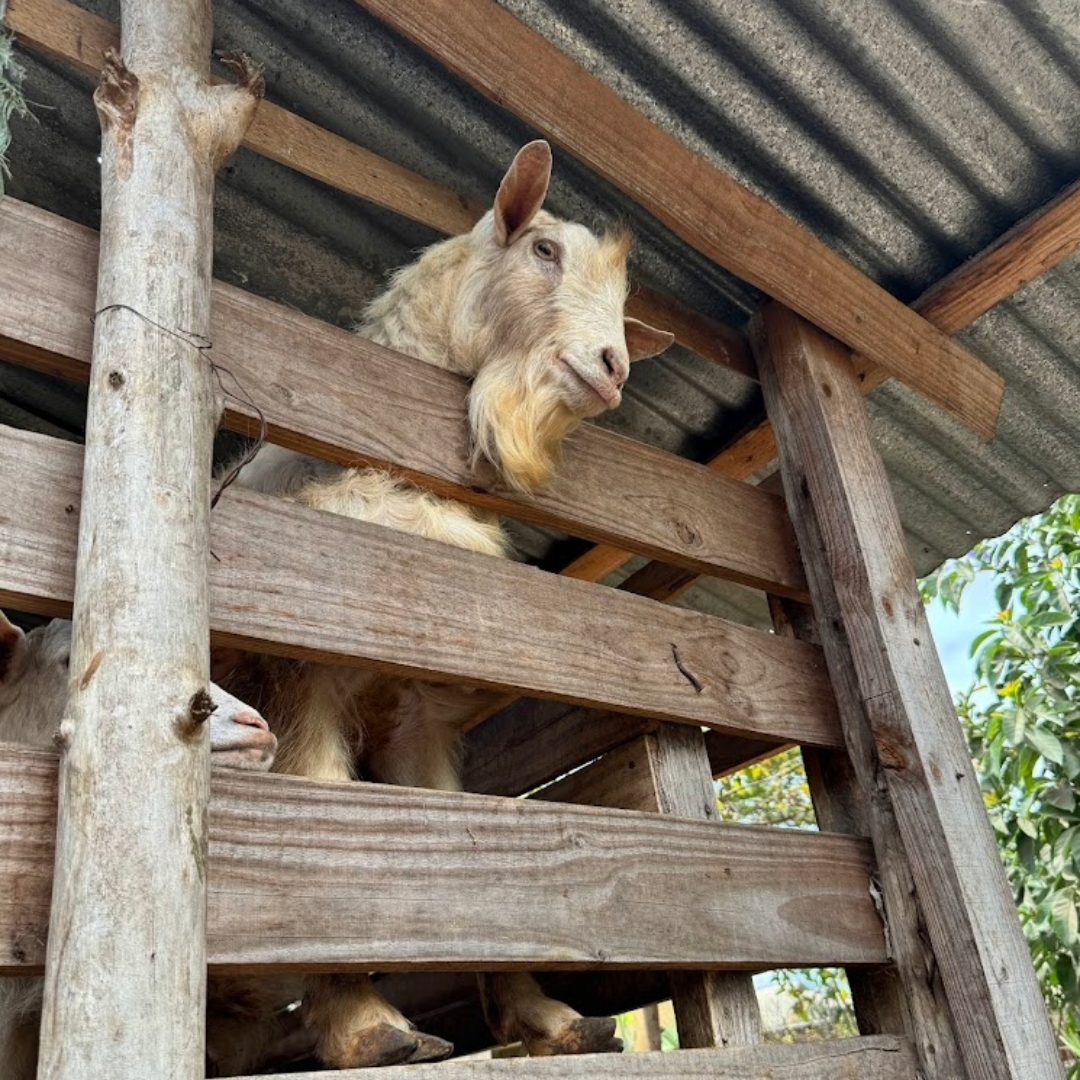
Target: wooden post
[712,1008]
[125,969]
[907,997]
[898,713]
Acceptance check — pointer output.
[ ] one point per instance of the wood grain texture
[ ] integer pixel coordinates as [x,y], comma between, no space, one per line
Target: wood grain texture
[66,31]
[873,626]
[352,592]
[880,1058]
[533,742]
[369,876]
[906,997]
[334,395]
[712,1008]
[126,951]
[622,779]
[508,62]
[1033,247]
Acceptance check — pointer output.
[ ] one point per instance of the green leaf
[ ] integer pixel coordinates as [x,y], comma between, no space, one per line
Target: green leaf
[1048,744]
[1064,917]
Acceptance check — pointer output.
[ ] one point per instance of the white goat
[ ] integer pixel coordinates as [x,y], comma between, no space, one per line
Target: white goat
[34,680]
[531,308]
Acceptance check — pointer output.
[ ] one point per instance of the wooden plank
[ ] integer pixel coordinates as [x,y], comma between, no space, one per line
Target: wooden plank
[335,395]
[622,779]
[64,30]
[907,997]
[1033,247]
[534,742]
[505,60]
[354,591]
[872,624]
[712,1008]
[371,876]
[880,1058]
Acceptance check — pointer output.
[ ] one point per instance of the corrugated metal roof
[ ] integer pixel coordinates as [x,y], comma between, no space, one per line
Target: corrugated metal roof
[906,134]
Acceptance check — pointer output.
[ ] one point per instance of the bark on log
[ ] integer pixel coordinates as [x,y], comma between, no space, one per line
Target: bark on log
[125,972]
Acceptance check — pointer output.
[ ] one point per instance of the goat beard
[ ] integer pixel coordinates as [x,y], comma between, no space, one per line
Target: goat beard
[519,425]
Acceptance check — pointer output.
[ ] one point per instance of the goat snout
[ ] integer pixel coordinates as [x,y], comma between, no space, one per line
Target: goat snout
[615,364]
[251,719]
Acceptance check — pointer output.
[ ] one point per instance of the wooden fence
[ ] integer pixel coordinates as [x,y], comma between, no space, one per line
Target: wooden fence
[619,870]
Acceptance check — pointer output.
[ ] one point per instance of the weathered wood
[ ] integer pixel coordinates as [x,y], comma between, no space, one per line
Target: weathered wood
[907,997]
[128,910]
[352,591]
[881,1058]
[64,30]
[716,1008]
[332,394]
[533,742]
[505,60]
[370,876]
[905,735]
[622,779]
[1033,247]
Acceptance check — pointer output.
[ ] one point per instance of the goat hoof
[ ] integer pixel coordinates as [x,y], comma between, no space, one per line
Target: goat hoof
[431,1048]
[380,1044]
[585,1035]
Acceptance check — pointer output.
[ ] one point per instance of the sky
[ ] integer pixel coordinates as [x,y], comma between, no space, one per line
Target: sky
[953,634]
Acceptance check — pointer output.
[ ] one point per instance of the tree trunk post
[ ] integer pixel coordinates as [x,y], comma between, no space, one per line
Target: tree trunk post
[125,971]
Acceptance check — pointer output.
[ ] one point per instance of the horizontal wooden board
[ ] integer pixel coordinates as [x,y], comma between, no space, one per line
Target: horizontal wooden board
[64,30]
[531,743]
[335,395]
[878,1057]
[505,60]
[368,876]
[622,779]
[297,582]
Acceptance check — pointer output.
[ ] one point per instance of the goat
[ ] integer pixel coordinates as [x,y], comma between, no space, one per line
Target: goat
[530,308]
[34,680]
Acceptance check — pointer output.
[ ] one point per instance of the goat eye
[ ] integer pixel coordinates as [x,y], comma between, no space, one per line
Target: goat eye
[546,250]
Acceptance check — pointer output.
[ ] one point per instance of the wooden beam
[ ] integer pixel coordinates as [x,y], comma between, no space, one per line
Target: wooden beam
[63,30]
[534,742]
[880,1058]
[333,394]
[622,779]
[712,1008]
[872,622]
[1033,247]
[355,592]
[376,877]
[906,997]
[127,951]
[502,58]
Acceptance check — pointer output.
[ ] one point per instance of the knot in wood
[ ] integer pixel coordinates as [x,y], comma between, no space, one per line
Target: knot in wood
[199,709]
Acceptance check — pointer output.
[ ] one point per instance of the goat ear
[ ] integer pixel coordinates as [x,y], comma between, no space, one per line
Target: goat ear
[522,191]
[643,340]
[11,641]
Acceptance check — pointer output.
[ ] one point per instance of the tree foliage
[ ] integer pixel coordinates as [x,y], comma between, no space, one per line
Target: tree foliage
[1022,720]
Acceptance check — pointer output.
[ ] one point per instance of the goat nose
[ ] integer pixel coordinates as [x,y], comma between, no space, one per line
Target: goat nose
[613,365]
[251,719]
